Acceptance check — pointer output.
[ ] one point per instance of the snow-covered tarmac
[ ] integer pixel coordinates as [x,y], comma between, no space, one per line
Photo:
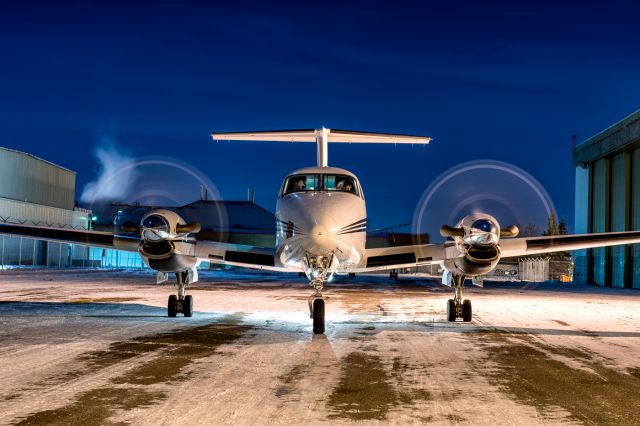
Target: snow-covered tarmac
[96,347]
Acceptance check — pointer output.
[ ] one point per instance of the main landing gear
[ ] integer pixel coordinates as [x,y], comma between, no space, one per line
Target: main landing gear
[456,307]
[182,303]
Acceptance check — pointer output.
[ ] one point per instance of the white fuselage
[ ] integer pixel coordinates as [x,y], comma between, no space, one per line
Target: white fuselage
[321,220]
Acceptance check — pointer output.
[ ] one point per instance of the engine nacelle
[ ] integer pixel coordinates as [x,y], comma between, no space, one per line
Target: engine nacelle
[477,236]
[167,245]
[480,230]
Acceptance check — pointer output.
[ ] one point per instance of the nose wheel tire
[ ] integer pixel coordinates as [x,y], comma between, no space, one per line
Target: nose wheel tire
[318,316]
[172,306]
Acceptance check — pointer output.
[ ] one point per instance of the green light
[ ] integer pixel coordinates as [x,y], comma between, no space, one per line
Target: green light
[94,218]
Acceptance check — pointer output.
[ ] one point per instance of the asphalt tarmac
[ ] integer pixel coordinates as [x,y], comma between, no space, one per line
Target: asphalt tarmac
[96,347]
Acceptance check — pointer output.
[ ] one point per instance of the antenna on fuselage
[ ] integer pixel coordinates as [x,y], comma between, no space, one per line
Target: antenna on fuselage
[321,137]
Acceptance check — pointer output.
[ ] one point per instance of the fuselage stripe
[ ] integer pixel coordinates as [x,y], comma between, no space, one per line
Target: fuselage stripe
[362,222]
[353,231]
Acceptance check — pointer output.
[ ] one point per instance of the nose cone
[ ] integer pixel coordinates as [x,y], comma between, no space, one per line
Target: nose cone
[320,235]
[312,223]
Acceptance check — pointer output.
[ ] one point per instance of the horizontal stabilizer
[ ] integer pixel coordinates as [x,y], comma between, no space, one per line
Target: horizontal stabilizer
[322,137]
[311,135]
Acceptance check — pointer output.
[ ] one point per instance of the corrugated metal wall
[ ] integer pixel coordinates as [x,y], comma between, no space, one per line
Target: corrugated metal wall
[40,215]
[30,179]
[15,251]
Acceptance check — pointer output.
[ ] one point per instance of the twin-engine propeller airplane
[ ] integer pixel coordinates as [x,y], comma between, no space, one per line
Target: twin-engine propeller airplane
[321,223]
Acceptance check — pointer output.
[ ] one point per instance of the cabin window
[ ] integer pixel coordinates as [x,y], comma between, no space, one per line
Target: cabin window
[340,183]
[301,183]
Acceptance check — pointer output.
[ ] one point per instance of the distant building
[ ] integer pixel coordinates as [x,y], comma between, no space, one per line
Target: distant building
[34,191]
[608,199]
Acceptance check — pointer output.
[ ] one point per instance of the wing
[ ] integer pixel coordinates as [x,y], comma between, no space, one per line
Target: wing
[72,236]
[240,255]
[510,247]
[207,251]
[380,259]
[417,255]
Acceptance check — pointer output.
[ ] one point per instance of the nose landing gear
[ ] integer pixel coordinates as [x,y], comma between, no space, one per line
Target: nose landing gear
[316,300]
[316,306]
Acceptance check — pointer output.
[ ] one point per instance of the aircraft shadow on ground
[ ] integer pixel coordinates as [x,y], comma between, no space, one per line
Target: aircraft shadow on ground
[557,332]
[375,327]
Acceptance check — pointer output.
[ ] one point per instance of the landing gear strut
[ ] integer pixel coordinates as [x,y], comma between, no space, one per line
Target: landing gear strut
[182,303]
[456,307]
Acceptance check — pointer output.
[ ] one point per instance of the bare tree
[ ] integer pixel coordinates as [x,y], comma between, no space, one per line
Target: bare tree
[531,230]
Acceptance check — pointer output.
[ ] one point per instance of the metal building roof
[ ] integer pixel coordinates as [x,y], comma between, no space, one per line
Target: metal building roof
[240,215]
[214,215]
[26,154]
[610,140]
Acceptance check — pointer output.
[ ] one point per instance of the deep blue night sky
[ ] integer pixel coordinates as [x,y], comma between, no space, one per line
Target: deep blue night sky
[487,80]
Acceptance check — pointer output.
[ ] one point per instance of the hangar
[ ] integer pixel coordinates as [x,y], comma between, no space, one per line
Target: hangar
[37,192]
[607,168]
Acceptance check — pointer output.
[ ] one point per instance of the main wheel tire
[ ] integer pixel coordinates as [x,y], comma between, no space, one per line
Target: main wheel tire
[466,310]
[451,310]
[187,306]
[171,305]
[318,316]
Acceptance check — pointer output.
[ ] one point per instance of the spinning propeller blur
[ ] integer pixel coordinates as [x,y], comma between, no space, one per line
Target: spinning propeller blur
[500,189]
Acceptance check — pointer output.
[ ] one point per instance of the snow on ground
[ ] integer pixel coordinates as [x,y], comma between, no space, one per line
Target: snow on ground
[94,347]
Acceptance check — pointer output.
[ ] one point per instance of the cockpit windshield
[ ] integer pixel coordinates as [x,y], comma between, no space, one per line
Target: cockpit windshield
[340,183]
[301,183]
[314,183]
